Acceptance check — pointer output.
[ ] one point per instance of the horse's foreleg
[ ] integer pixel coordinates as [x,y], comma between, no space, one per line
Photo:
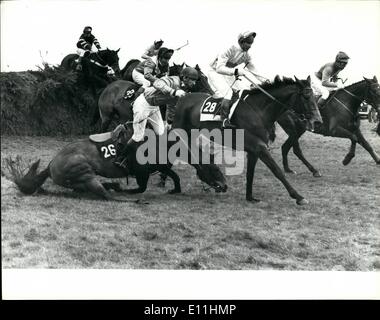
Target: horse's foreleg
[142,181]
[285,150]
[94,186]
[170,173]
[252,160]
[266,157]
[339,132]
[298,152]
[364,143]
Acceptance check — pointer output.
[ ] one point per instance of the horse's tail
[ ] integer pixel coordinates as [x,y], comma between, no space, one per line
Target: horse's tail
[29,183]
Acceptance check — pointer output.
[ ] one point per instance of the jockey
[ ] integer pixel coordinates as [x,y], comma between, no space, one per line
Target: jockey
[166,90]
[152,50]
[223,70]
[149,70]
[326,78]
[84,45]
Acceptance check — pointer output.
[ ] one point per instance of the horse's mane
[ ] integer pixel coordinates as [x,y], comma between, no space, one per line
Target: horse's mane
[352,85]
[276,83]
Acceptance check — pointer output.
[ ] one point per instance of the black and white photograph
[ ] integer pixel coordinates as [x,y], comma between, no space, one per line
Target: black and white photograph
[190,149]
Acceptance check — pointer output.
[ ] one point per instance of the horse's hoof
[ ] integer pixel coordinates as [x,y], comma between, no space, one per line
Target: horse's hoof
[317,174]
[347,159]
[302,202]
[252,199]
[139,201]
[174,191]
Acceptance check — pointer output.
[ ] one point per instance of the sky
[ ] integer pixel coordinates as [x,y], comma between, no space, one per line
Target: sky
[293,37]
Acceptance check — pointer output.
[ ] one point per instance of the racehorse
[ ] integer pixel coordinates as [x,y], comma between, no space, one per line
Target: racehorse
[340,119]
[117,97]
[95,66]
[255,113]
[78,164]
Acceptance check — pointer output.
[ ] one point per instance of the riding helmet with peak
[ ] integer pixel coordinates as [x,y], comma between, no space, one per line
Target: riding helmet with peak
[190,73]
[247,36]
[87,29]
[342,56]
[165,52]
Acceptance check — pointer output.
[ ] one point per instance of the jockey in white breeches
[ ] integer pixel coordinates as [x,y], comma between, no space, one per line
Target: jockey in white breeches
[325,79]
[166,90]
[149,70]
[223,70]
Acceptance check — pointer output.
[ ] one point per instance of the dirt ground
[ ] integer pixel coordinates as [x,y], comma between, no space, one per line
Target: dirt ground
[338,230]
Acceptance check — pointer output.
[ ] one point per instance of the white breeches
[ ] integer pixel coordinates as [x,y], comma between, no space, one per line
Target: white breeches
[143,112]
[139,79]
[222,84]
[319,89]
[81,52]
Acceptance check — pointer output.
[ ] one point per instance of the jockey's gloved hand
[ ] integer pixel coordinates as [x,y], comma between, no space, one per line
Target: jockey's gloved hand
[240,72]
[87,47]
[339,85]
[180,93]
[117,131]
[168,126]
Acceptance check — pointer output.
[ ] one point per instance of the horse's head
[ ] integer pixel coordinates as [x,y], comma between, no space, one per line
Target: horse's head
[373,92]
[213,176]
[112,59]
[175,69]
[202,84]
[306,106]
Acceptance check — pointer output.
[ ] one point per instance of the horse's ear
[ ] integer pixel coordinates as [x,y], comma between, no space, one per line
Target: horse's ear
[197,67]
[308,80]
[374,78]
[183,64]
[365,78]
[117,50]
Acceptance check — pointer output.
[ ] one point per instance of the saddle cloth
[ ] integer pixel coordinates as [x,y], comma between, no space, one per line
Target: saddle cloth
[105,145]
[210,109]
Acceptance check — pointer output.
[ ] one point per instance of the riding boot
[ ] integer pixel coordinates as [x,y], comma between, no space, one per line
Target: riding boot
[224,112]
[126,154]
[321,102]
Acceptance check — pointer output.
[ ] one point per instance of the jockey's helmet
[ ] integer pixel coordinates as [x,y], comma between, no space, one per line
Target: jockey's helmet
[190,73]
[165,53]
[87,29]
[247,36]
[342,57]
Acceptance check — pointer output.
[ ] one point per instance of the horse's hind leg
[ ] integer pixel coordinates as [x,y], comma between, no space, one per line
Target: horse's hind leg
[364,143]
[252,160]
[298,152]
[170,173]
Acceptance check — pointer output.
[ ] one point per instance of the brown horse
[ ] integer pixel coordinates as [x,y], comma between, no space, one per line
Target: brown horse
[256,113]
[112,100]
[79,163]
[340,118]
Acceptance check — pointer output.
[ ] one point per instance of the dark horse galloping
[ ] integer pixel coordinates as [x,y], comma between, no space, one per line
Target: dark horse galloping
[256,113]
[95,66]
[340,119]
[78,164]
[112,100]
